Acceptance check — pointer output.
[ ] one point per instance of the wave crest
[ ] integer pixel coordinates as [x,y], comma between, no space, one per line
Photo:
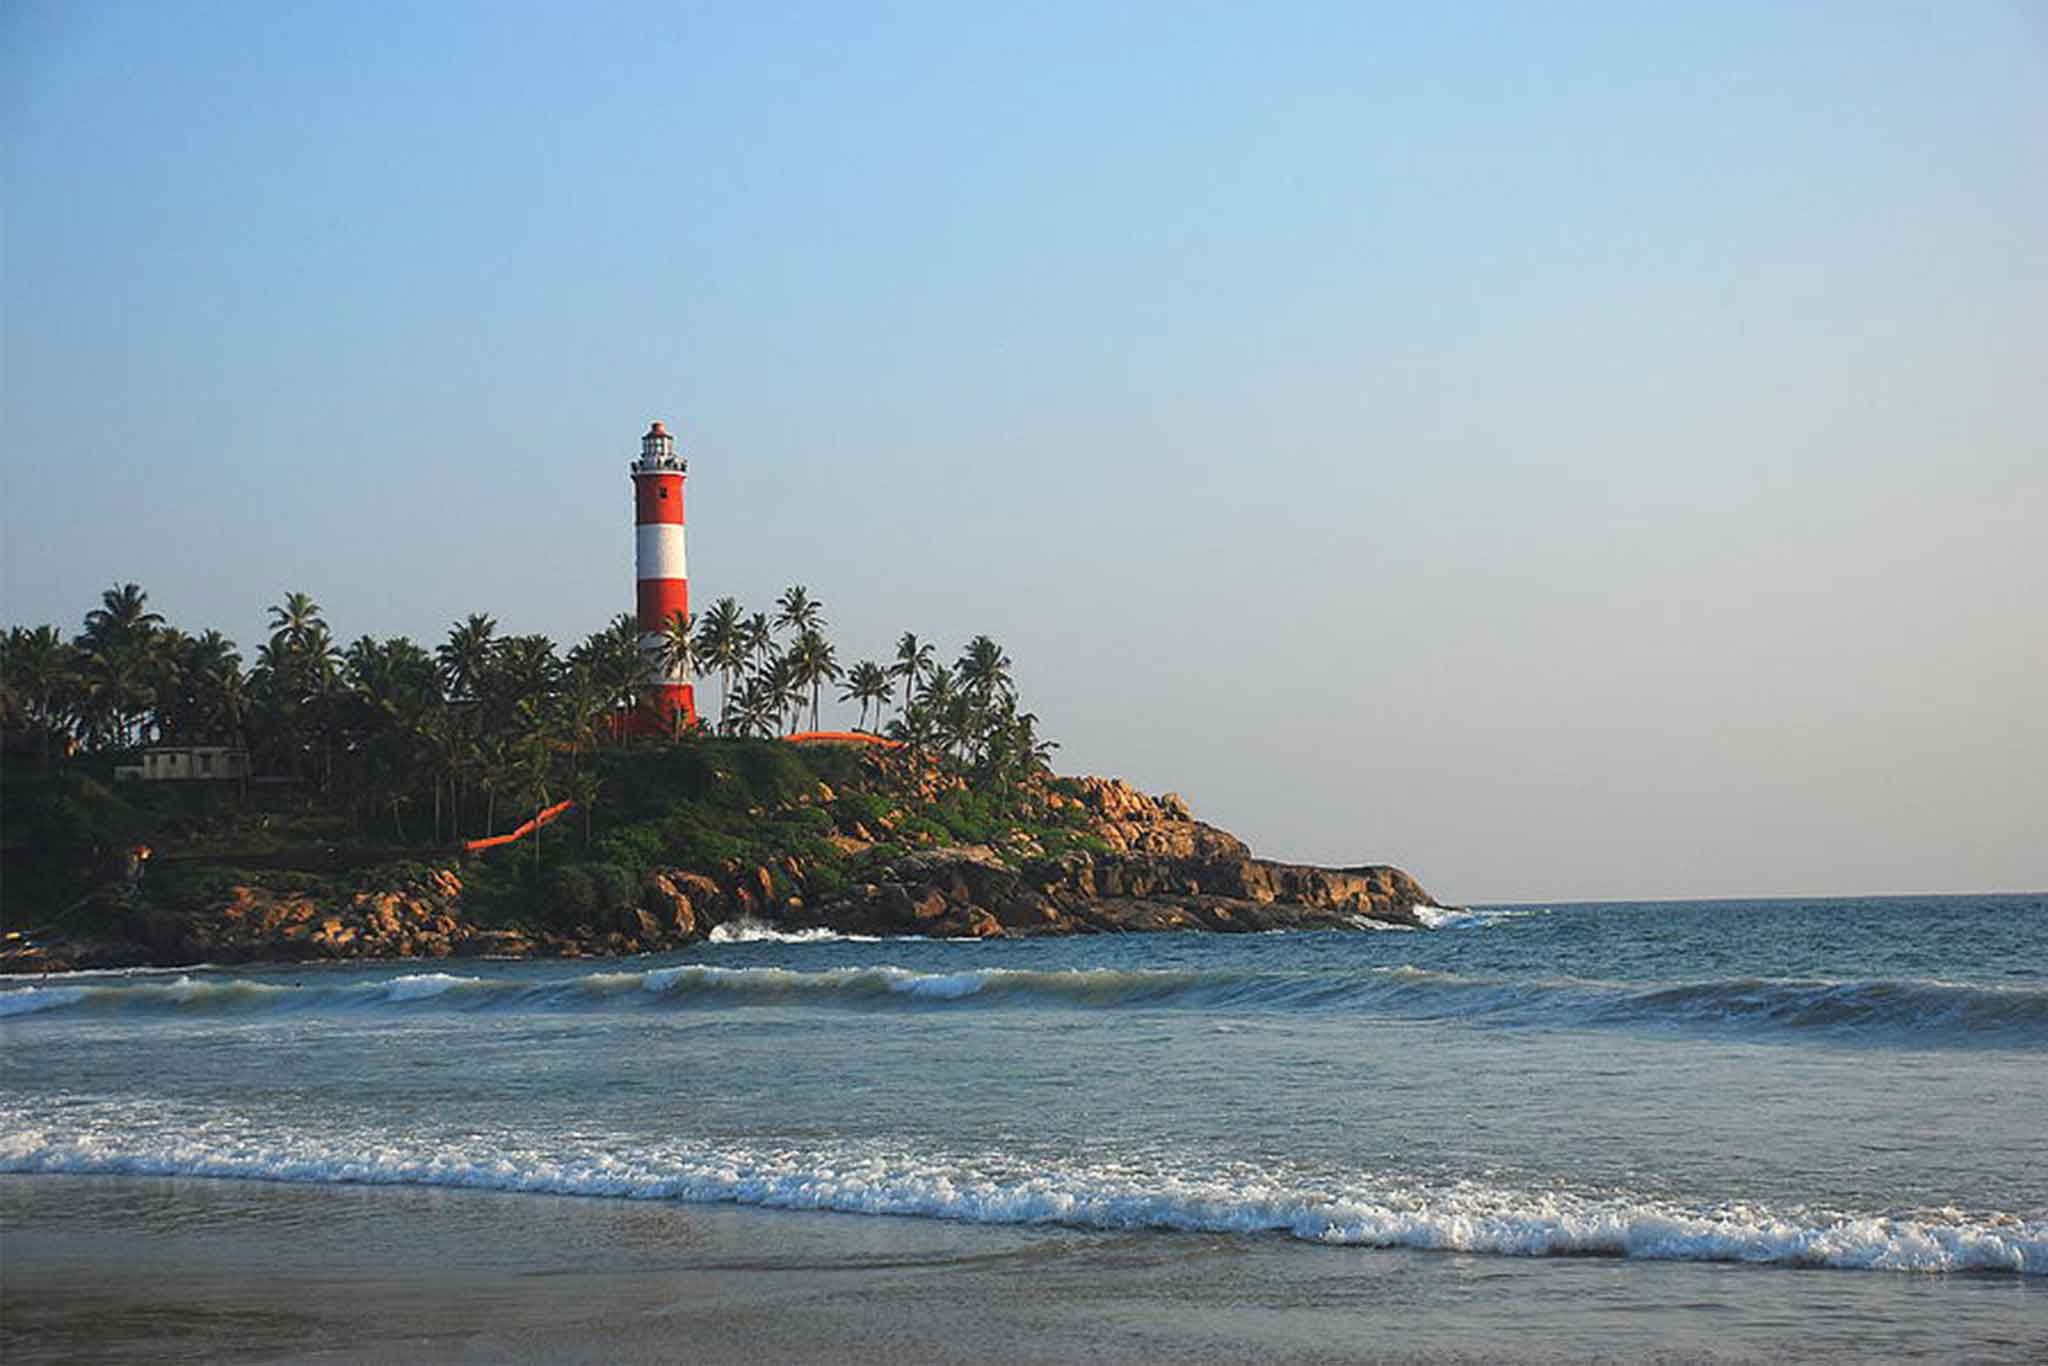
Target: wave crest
[1925,1011]
[1389,1213]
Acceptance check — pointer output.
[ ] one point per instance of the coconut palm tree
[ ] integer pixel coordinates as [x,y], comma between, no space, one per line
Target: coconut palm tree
[813,664]
[868,684]
[984,670]
[913,657]
[41,669]
[779,679]
[675,655]
[586,708]
[123,617]
[914,729]
[675,652]
[760,637]
[798,610]
[203,663]
[722,646]
[613,658]
[757,710]
[116,692]
[295,620]
[522,669]
[465,656]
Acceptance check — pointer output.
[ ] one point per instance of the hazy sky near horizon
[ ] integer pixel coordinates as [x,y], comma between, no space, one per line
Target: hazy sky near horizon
[1571,451]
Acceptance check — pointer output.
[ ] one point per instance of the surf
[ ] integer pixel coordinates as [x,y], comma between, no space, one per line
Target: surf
[1367,1211]
[1877,1010]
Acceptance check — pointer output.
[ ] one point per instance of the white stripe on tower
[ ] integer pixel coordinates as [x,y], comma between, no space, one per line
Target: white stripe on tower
[658,551]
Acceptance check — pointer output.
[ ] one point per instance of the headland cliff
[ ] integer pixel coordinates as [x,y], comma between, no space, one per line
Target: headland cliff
[719,840]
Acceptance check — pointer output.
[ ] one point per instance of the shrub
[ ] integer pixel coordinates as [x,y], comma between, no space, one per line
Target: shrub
[571,894]
[635,848]
[612,886]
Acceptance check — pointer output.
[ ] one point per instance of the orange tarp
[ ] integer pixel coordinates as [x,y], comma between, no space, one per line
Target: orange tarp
[856,737]
[546,817]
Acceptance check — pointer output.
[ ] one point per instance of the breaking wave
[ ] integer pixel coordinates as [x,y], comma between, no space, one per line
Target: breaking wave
[1385,1212]
[1928,1012]
[754,932]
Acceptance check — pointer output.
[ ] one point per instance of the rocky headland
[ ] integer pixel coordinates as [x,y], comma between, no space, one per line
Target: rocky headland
[1125,863]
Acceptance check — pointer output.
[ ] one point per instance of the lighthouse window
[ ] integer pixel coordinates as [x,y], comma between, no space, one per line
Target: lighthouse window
[664,493]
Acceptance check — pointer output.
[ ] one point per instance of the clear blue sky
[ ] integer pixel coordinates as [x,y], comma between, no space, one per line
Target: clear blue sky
[1570,451]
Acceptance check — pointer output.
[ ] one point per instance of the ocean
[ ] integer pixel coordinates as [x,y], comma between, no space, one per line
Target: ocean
[1726,1130]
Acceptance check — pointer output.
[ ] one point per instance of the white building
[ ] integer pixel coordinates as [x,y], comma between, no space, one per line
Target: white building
[184,763]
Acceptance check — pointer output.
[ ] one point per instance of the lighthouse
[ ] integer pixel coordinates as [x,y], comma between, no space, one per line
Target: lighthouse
[664,580]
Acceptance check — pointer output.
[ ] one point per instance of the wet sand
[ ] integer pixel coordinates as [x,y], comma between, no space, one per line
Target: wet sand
[129,1270]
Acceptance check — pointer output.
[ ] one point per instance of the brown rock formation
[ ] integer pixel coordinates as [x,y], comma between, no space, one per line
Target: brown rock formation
[1149,867]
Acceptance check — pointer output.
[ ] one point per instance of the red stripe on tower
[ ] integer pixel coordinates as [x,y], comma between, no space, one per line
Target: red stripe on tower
[664,580]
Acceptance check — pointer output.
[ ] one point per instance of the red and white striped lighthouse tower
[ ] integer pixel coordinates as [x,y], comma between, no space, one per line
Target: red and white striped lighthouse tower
[664,580]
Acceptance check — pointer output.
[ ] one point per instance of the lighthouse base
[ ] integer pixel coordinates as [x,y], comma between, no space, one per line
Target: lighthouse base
[665,713]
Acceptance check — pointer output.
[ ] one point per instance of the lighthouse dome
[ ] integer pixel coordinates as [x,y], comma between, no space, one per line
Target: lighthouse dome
[658,450]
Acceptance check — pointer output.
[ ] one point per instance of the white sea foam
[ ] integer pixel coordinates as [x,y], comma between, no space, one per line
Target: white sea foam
[950,986]
[1464,1217]
[754,932]
[420,986]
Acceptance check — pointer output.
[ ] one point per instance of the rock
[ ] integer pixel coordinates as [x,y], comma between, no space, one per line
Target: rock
[668,909]
[494,945]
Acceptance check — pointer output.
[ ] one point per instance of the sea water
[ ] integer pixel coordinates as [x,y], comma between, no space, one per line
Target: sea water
[1853,1088]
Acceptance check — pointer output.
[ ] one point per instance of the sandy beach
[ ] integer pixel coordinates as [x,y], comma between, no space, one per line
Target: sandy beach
[131,1270]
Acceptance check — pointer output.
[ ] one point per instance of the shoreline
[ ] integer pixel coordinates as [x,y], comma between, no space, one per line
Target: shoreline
[122,1269]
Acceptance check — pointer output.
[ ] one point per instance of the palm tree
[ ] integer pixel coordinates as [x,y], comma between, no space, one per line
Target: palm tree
[960,725]
[385,723]
[465,655]
[868,684]
[798,610]
[758,708]
[584,787]
[122,617]
[813,663]
[675,656]
[585,708]
[121,675]
[984,669]
[116,691]
[318,661]
[207,661]
[780,682]
[760,635]
[952,711]
[41,667]
[675,648]
[914,728]
[522,669]
[938,689]
[913,657]
[441,743]
[721,645]
[533,760]
[613,658]
[295,619]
